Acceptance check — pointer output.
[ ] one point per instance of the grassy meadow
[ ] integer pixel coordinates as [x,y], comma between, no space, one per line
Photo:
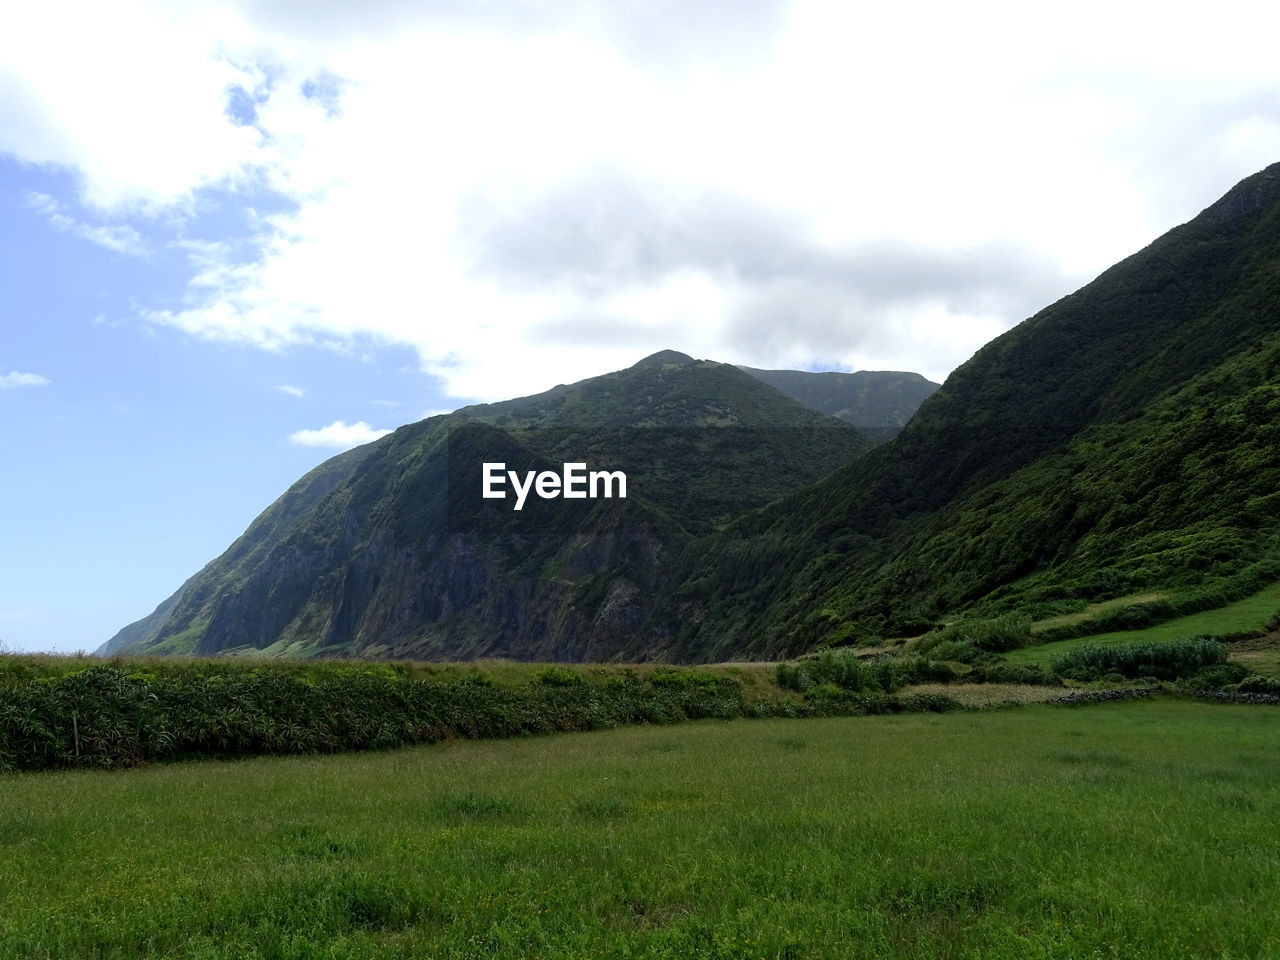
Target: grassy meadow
[1250,614]
[1135,829]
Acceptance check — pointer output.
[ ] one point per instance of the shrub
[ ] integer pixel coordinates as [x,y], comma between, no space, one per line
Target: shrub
[1219,676]
[911,626]
[844,671]
[790,677]
[953,650]
[999,635]
[56,713]
[553,676]
[1169,660]
[823,691]
[932,671]
[841,669]
[1256,683]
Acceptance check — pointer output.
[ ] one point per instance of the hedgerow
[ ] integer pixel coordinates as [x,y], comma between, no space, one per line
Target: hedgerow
[1167,660]
[117,716]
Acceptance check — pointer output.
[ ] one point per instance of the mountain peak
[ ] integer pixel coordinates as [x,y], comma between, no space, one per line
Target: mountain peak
[663,357]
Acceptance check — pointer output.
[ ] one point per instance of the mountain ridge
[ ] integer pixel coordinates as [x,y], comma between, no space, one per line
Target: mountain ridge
[1125,437]
[384,550]
[987,484]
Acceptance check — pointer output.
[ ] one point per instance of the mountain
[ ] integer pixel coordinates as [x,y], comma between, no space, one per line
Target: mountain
[1125,438]
[879,403]
[392,550]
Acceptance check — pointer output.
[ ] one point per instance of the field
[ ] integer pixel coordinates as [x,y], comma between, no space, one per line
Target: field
[1251,613]
[1137,829]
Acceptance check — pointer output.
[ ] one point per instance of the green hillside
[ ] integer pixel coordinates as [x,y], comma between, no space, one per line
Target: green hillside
[1247,616]
[877,402]
[1123,439]
[391,550]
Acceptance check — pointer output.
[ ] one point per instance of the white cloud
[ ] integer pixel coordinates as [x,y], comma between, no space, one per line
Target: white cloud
[989,130]
[292,390]
[15,379]
[130,95]
[337,435]
[120,238]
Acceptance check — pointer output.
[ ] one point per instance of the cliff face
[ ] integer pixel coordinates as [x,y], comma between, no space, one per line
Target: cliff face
[392,551]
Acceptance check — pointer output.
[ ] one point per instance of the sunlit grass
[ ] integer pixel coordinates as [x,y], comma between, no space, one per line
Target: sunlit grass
[1128,830]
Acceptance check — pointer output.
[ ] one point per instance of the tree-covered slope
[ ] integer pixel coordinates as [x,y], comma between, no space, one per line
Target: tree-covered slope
[1123,437]
[700,439]
[877,402]
[391,550]
[265,533]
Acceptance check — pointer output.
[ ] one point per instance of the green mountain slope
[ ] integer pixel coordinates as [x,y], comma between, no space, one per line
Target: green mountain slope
[877,402]
[250,549]
[1124,437]
[390,549]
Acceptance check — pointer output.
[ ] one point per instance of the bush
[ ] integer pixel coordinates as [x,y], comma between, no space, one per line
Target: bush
[824,691]
[1169,660]
[999,635]
[553,676]
[934,671]
[844,671]
[1256,683]
[1219,676]
[790,677]
[952,650]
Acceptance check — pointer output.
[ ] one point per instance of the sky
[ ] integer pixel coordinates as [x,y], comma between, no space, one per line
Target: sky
[238,238]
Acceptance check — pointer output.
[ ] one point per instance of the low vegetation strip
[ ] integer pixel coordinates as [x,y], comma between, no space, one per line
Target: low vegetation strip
[983,695]
[116,716]
[1170,660]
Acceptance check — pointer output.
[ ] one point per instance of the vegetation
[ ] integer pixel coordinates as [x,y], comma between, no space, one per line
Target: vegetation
[966,640]
[1125,439]
[877,402]
[1247,617]
[393,552]
[60,713]
[1171,660]
[1137,829]
[1235,605]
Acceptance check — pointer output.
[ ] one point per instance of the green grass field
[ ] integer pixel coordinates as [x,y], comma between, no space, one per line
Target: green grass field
[1138,829]
[1251,613]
